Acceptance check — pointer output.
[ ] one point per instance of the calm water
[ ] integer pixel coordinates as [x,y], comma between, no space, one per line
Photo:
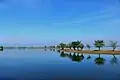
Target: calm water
[51,65]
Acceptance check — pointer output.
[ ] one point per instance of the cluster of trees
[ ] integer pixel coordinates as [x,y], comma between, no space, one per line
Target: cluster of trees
[80,46]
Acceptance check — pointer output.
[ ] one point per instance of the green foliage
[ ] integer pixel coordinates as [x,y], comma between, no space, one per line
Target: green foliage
[69,45]
[113,45]
[81,46]
[99,44]
[58,46]
[75,44]
[62,45]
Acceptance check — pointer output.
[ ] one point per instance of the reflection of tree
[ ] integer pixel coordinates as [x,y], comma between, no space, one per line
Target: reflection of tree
[58,51]
[89,57]
[74,57]
[77,58]
[1,48]
[99,60]
[50,49]
[114,60]
[45,49]
[53,49]
[62,54]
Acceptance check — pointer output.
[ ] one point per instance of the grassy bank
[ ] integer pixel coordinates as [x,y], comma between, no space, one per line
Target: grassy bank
[93,51]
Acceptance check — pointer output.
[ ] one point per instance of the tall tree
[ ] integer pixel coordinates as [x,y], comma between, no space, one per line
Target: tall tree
[99,44]
[113,45]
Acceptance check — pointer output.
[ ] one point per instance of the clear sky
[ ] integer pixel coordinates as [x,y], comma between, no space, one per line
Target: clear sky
[54,21]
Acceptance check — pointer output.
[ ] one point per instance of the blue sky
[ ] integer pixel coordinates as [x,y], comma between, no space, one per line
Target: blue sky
[48,22]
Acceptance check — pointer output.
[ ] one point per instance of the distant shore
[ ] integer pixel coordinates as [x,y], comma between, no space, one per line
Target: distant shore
[117,52]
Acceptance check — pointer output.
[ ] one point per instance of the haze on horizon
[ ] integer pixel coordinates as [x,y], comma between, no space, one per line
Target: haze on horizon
[52,21]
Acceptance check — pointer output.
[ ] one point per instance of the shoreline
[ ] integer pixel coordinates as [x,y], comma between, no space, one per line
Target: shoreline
[116,52]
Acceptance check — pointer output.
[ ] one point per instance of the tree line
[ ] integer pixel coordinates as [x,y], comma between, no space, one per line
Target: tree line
[78,45]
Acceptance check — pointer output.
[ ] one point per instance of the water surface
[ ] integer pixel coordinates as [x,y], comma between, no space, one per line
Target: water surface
[33,64]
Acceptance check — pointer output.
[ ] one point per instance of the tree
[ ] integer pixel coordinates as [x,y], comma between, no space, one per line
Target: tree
[81,46]
[58,46]
[113,45]
[62,45]
[99,44]
[88,46]
[75,44]
[69,45]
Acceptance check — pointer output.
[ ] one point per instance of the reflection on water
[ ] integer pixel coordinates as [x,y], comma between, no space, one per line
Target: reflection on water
[99,60]
[37,64]
[114,60]
[75,57]
[79,57]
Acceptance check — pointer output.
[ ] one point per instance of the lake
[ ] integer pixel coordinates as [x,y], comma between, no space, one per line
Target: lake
[35,64]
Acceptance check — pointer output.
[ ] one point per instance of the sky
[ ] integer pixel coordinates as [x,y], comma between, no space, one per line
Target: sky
[49,22]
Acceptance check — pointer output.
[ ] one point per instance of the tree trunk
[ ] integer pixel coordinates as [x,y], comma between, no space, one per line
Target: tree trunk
[99,48]
[89,49]
[113,49]
[81,49]
[74,48]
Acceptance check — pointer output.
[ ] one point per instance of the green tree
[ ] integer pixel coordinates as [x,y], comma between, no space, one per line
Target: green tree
[69,45]
[88,46]
[58,46]
[81,46]
[113,45]
[75,44]
[99,44]
[62,45]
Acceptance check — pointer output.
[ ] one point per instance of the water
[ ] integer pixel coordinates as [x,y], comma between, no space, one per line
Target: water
[33,64]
